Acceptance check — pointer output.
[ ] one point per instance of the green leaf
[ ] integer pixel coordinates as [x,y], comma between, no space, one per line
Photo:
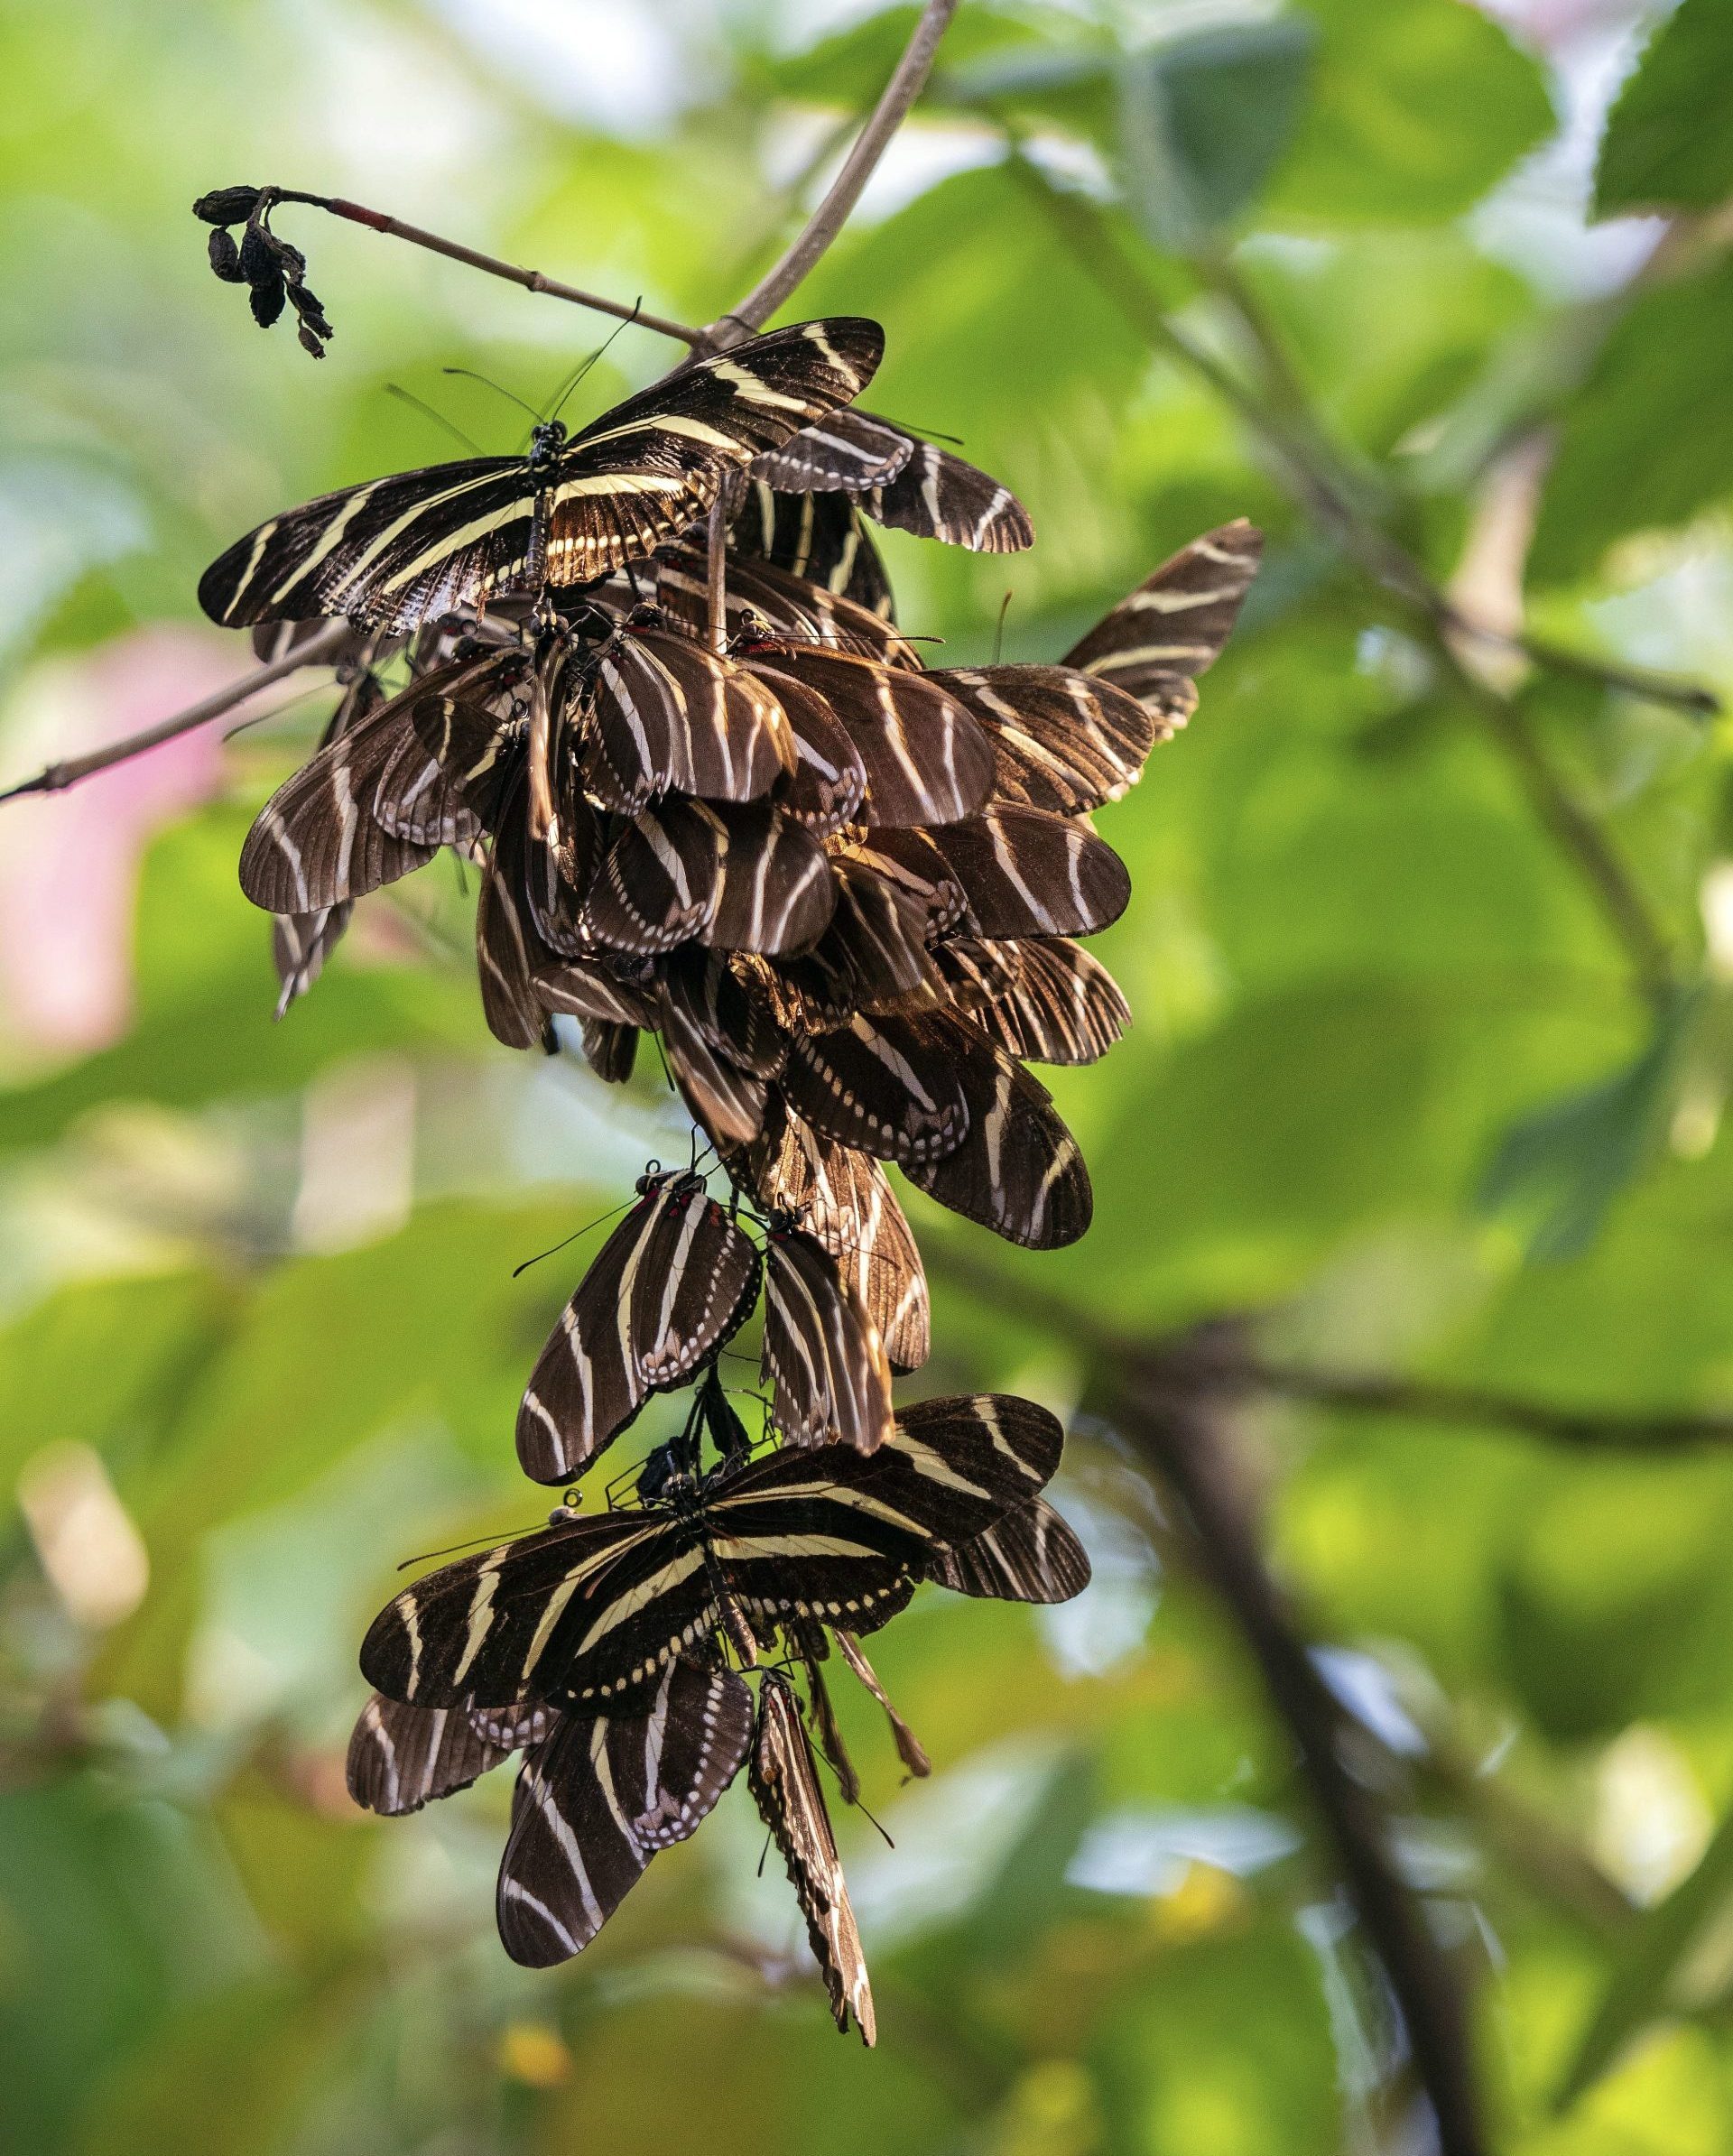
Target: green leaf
[1204,121]
[1669,139]
[1416,111]
[1567,1162]
[1643,443]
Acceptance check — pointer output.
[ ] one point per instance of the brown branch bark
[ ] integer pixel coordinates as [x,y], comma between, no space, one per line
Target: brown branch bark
[55,777]
[1175,1436]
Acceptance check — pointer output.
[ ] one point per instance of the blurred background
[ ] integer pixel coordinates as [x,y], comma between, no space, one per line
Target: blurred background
[1429,956]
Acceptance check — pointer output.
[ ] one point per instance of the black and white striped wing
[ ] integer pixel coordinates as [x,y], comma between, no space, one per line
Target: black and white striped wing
[1155,642]
[872,958]
[1024,873]
[1042,997]
[301,942]
[926,760]
[1018,1170]
[760,597]
[671,1283]
[830,1379]
[879,1086]
[1063,740]
[397,550]
[721,1043]
[511,954]
[596,1801]
[828,785]
[843,1201]
[848,452]
[481,1632]
[783,1778]
[401,1757]
[937,495]
[1030,1556]
[736,875]
[821,537]
[666,715]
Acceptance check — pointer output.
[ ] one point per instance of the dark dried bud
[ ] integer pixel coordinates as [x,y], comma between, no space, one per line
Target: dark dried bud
[310,342]
[228,204]
[259,264]
[306,305]
[294,263]
[226,256]
[267,302]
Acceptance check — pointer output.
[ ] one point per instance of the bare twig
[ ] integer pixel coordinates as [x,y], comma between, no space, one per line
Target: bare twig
[1176,1436]
[535,280]
[845,190]
[58,776]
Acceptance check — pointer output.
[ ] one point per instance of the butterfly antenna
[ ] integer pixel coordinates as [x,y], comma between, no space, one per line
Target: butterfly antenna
[576,1233]
[930,433]
[860,1808]
[498,388]
[998,633]
[594,357]
[421,404]
[474,1542]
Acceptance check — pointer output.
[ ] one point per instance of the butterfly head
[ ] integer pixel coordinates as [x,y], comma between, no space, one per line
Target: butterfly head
[546,441]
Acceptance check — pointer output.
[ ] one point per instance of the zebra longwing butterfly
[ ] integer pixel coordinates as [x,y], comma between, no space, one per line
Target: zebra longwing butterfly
[666,715]
[301,942]
[820,538]
[848,452]
[937,496]
[396,550]
[1042,997]
[1063,740]
[597,1799]
[1171,628]
[878,1084]
[843,1199]
[738,875]
[784,1778]
[829,1376]
[402,1757]
[1018,1170]
[674,1280]
[1031,1555]
[1022,872]
[588,1611]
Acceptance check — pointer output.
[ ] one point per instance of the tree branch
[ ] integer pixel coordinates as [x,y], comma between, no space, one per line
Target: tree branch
[309,652]
[845,190]
[1175,1434]
[376,220]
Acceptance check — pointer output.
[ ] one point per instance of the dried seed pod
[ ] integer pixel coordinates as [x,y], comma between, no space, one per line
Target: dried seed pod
[228,204]
[226,256]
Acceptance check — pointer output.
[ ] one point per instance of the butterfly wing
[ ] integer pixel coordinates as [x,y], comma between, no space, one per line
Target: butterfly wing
[1063,740]
[401,1757]
[1030,1556]
[1155,642]
[830,1379]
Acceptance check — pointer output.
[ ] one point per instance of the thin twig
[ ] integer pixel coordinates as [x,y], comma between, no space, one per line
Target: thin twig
[845,190]
[58,776]
[716,576]
[535,280]
[1179,1440]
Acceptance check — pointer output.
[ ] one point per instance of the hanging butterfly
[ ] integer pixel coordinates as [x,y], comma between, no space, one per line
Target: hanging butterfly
[1155,644]
[673,1283]
[830,1378]
[399,549]
[783,1778]
[586,1611]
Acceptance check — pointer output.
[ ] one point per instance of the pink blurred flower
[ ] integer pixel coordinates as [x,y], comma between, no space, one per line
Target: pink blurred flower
[68,865]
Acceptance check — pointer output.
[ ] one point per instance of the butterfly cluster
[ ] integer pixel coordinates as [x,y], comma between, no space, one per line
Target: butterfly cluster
[648,677]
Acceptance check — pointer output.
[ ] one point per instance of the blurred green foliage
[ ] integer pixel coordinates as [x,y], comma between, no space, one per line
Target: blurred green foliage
[1392,1088]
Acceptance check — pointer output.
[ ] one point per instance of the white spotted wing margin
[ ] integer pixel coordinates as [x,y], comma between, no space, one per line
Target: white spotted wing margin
[1155,642]
[784,1778]
[401,1757]
[1031,1555]
[830,1377]
[597,1800]
[397,550]
[672,1282]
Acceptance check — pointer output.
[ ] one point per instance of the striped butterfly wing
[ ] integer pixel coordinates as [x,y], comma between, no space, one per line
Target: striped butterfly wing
[449,779]
[937,495]
[849,451]
[828,785]
[737,876]
[399,549]
[610,1049]
[820,538]
[1030,1556]
[784,1778]
[912,864]
[511,954]
[1018,1170]
[879,1086]
[318,843]
[830,1378]
[301,942]
[672,1282]
[402,1757]
[668,715]
[872,958]
[926,760]
[1022,872]
[1155,644]
[600,1797]
[1042,997]
[1063,740]
[720,1044]
[759,597]
[480,1633]
[844,1201]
